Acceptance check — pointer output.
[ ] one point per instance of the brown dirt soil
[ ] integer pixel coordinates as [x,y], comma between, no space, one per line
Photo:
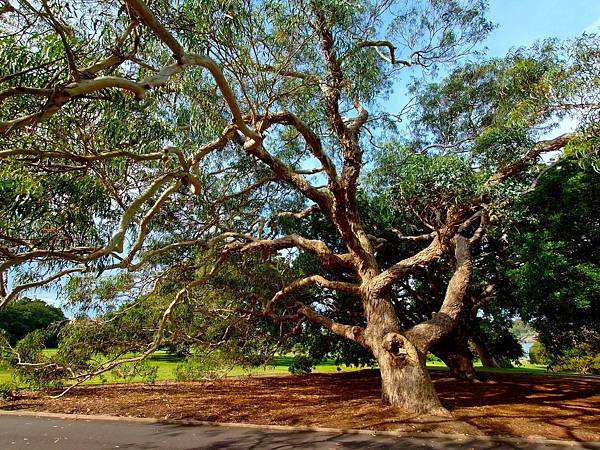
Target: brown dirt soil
[506,404]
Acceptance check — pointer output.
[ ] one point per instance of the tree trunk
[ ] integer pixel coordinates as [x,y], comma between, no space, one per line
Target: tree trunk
[454,349]
[487,360]
[405,381]
[460,365]
[408,386]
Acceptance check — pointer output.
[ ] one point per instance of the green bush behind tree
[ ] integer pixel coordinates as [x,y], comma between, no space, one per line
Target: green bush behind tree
[20,318]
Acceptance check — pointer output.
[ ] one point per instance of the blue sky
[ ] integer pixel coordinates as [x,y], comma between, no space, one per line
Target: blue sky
[522,22]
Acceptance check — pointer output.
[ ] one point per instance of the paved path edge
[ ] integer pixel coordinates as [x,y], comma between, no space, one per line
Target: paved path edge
[301,428]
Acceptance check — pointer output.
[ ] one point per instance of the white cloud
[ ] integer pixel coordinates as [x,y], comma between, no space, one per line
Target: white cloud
[594,27]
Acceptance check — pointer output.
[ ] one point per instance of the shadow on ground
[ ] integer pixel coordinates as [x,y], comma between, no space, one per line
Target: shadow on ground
[507,405]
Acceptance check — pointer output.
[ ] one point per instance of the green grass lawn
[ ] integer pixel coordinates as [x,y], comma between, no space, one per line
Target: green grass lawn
[5,376]
[524,368]
[166,364]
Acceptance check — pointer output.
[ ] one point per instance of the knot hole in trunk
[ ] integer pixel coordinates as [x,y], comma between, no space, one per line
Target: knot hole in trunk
[401,350]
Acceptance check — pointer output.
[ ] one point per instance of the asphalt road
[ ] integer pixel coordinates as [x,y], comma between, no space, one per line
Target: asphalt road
[27,432]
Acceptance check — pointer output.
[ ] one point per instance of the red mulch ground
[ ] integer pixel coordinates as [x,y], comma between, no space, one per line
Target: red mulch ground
[513,405]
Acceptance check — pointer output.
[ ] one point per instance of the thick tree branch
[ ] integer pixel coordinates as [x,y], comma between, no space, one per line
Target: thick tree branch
[316,247]
[523,163]
[285,173]
[304,282]
[77,254]
[156,156]
[387,278]
[311,139]
[85,87]
[420,237]
[354,333]
[149,19]
[297,215]
[143,228]
[10,296]
[392,50]
[23,90]
[425,334]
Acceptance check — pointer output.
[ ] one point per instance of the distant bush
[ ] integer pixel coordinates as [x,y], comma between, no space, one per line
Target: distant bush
[302,365]
[23,316]
[433,359]
[28,363]
[581,359]
[538,354]
[205,367]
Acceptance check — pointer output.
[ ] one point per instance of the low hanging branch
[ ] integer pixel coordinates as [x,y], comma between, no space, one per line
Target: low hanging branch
[304,282]
[354,333]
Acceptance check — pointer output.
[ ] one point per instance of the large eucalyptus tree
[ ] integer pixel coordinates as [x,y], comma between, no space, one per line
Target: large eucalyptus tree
[167,138]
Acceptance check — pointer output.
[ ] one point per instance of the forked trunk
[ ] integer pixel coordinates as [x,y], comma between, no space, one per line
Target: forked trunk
[405,381]
[407,384]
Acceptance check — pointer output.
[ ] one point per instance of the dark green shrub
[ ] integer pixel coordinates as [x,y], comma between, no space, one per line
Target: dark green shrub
[302,365]
[580,359]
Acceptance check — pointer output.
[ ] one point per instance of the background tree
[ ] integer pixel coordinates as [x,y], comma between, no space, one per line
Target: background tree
[26,315]
[556,261]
